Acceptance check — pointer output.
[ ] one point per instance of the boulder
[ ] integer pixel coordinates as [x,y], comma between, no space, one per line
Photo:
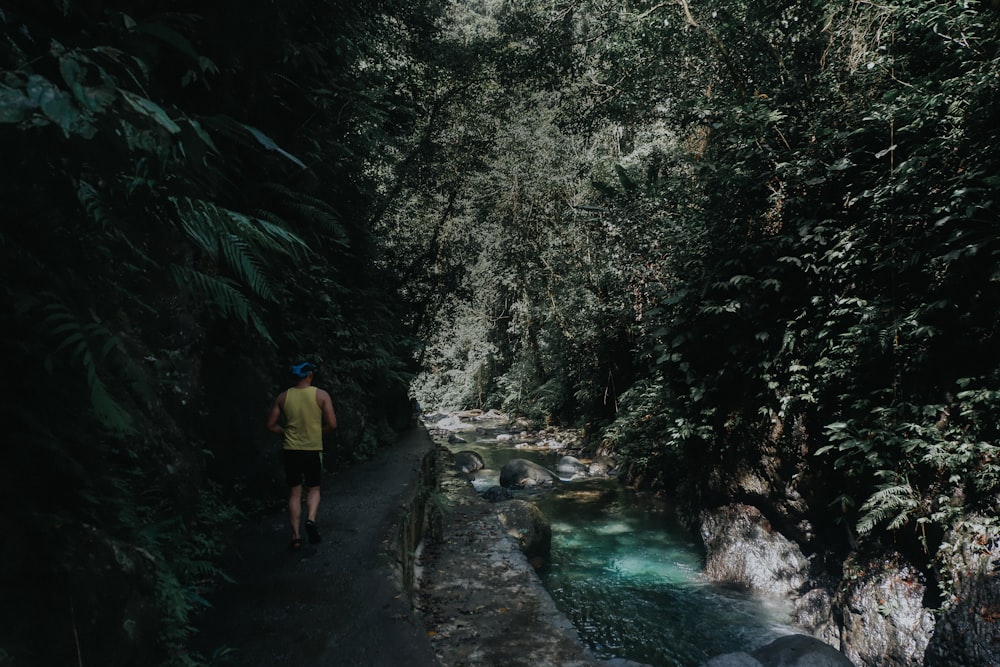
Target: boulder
[790,651]
[884,621]
[450,424]
[815,613]
[523,473]
[570,466]
[601,467]
[469,461]
[742,548]
[525,523]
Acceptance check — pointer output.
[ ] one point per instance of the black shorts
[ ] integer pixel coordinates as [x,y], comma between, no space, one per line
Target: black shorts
[302,466]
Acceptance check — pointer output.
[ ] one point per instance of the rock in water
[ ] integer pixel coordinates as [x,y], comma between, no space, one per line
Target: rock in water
[524,473]
[469,461]
[790,651]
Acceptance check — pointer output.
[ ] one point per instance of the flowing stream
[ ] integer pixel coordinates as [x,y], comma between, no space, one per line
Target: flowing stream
[628,575]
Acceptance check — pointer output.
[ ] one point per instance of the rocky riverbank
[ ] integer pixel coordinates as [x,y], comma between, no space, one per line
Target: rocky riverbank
[478,593]
[875,609]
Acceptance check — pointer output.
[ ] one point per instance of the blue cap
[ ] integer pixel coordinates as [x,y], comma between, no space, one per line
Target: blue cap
[303,369]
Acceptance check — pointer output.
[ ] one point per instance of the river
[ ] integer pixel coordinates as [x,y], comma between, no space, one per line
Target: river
[629,576]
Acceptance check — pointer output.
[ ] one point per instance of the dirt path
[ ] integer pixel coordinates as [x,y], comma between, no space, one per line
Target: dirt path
[336,603]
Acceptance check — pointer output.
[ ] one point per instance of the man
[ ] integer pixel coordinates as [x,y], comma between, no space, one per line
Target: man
[308,413]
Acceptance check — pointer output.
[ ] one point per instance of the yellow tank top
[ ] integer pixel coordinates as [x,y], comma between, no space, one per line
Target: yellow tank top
[304,420]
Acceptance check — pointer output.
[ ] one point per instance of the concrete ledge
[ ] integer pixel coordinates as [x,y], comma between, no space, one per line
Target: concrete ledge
[479,598]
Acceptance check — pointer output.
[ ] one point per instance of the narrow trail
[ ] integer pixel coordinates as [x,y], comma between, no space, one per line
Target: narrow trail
[336,603]
[342,603]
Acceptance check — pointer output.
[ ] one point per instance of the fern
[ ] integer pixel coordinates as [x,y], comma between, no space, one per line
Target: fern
[89,344]
[237,241]
[313,210]
[240,258]
[893,502]
[222,294]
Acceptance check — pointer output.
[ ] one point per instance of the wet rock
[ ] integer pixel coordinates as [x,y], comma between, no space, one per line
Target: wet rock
[601,467]
[814,613]
[739,659]
[450,424]
[527,524]
[743,549]
[456,439]
[524,474]
[570,466]
[469,461]
[884,620]
[791,651]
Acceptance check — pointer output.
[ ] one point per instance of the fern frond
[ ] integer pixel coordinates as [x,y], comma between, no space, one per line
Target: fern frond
[268,234]
[237,241]
[201,224]
[222,294]
[891,502]
[80,340]
[239,257]
[312,210]
[329,222]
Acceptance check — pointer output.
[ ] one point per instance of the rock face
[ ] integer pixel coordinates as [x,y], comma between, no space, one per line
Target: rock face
[968,633]
[791,651]
[526,524]
[741,548]
[524,474]
[884,621]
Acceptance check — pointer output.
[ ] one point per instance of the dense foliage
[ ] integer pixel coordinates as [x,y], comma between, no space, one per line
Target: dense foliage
[189,191]
[714,233]
[723,232]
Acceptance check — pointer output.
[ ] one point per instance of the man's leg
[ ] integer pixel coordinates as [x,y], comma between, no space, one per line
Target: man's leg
[312,502]
[295,509]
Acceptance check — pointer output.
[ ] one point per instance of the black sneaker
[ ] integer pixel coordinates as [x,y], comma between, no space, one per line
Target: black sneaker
[313,532]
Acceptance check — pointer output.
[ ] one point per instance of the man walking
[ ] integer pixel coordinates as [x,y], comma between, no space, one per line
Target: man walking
[308,413]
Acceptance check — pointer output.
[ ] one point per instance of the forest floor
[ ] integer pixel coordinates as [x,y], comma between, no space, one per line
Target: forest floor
[342,603]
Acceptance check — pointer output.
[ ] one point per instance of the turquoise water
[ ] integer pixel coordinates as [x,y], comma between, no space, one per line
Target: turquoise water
[629,576]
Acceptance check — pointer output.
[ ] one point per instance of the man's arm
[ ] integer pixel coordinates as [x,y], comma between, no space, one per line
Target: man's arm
[275,415]
[325,404]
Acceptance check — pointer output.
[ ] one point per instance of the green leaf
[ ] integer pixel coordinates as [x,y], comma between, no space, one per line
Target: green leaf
[269,144]
[15,106]
[169,36]
[150,109]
